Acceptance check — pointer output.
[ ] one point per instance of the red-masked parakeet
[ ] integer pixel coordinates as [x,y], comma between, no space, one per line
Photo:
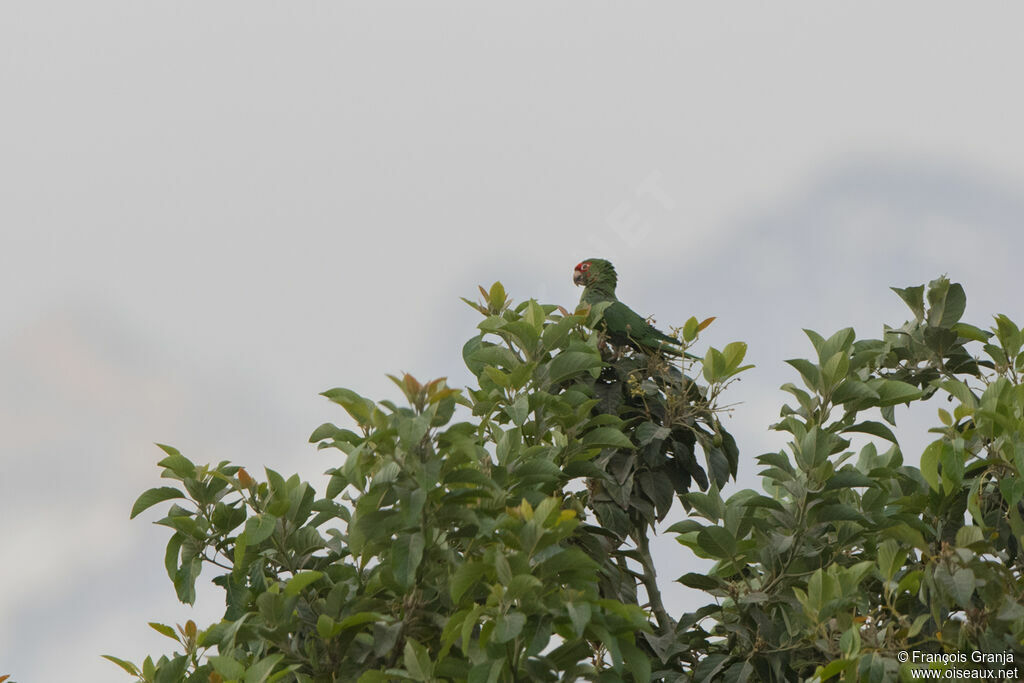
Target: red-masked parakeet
[623,325]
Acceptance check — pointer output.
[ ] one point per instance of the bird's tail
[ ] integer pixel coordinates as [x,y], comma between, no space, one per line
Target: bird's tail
[668,349]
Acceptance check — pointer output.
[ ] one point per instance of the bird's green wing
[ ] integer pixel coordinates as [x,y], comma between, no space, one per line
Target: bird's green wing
[626,326]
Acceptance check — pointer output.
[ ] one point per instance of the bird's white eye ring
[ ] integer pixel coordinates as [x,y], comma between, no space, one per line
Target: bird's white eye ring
[585,266]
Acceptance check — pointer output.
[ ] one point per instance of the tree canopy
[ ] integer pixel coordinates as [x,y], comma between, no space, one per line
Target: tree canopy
[501,532]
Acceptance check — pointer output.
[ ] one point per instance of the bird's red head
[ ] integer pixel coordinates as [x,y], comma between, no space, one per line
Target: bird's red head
[595,272]
[579,273]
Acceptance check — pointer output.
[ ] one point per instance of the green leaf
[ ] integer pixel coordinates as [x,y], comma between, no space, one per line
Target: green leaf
[892,392]
[324,431]
[417,659]
[759,501]
[172,671]
[519,411]
[570,363]
[914,298]
[717,542]
[1010,611]
[606,437]
[375,676]
[971,332]
[227,667]
[639,663]
[126,665]
[300,581]
[709,667]
[930,463]
[497,376]
[809,371]
[508,626]
[940,340]
[259,528]
[686,526]
[534,314]
[841,341]
[406,555]
[486,353]
[849,642]
[690,329]
[523,586]
[172,553]
[238,555]
[185,580]
[502,569]
[554,334]
[359,619]
[469,475]
[276,481]
[848,478]
[176,462]
[961,586]
[451,630]
[326,628]
[1008,334]
[465,577]
[700,581]
[967,536]
[492,323]
[361,409]
[647,432]
[853,390]
[566,560]
[838,512]
[487,671]
[525,334]
[187,524]
[715,366]
[154,496]
[496,297]
[960,391]
[817,341]
[1012,490]
[261,670]
[873,428]
[835,368]
[164,629]
[834,667]
[708,504]
[947,302]
[814,448]
[918,624]
[734,353]
[579,614]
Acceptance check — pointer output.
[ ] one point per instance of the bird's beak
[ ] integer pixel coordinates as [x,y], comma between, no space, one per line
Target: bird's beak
[577,277]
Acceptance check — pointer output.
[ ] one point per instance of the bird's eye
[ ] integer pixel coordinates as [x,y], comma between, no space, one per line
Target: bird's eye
[584,266]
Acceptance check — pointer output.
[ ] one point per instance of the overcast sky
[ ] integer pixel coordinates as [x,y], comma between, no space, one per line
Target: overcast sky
[210,212]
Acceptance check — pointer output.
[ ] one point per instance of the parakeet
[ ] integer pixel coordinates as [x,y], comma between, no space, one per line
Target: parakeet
[623,325]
